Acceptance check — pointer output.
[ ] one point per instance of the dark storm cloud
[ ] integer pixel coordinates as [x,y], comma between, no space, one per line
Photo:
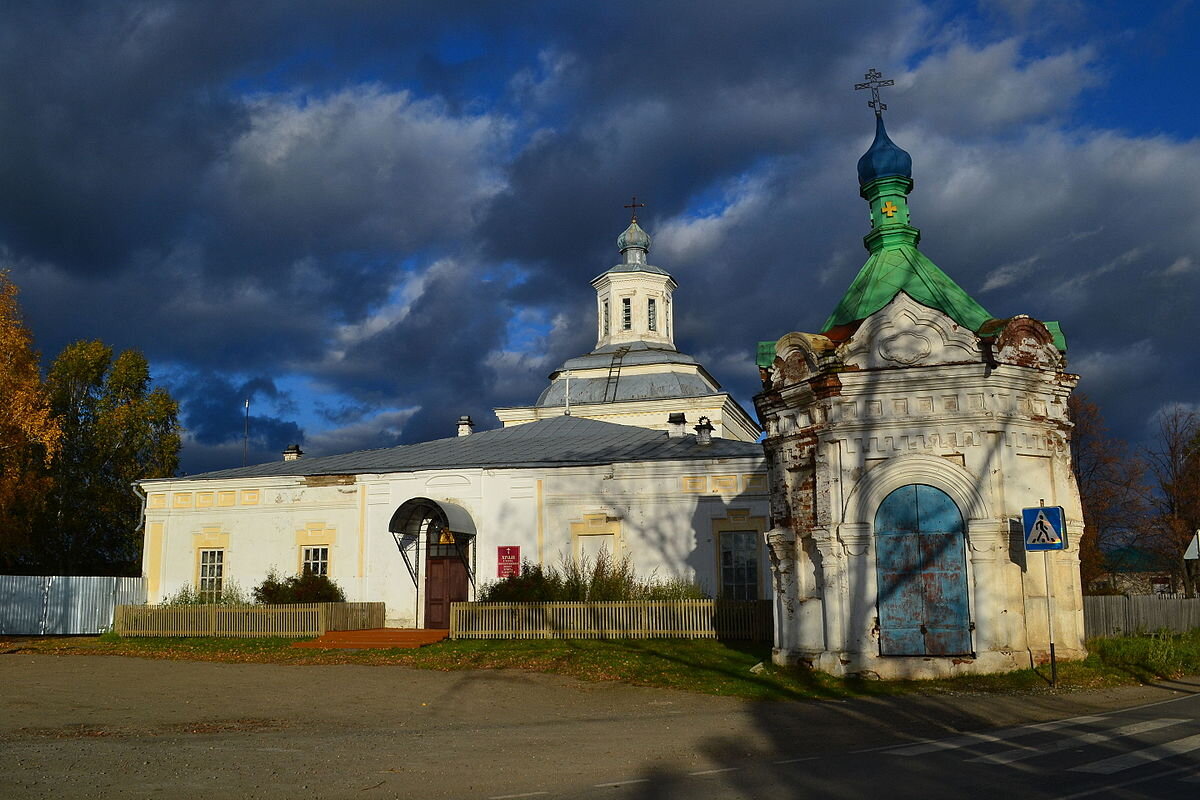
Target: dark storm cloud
[405,206]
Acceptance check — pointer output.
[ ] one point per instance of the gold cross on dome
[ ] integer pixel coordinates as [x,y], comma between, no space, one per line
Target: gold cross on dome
[890,208]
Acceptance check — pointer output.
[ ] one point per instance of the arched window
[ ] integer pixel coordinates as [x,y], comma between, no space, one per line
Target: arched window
[920,563]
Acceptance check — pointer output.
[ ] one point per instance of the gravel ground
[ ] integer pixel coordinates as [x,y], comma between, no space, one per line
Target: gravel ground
[104,726]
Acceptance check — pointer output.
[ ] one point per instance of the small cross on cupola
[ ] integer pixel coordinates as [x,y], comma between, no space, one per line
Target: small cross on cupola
[874,83]
[635,205]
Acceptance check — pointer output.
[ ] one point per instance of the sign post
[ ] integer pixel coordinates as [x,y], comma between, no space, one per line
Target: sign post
[1046,530]
[1192,554]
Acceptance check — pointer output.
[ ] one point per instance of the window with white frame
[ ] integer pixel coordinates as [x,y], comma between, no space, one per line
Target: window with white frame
[626,313]
[652,314]
[316,560]
[739,565]
[212,574]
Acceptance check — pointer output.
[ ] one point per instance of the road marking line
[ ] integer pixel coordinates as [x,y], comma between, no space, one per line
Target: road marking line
[979,738]
[1021,753]
[1144,756]
[1108,788]
[714,771]
[796,760]
[515,796]
[614,784]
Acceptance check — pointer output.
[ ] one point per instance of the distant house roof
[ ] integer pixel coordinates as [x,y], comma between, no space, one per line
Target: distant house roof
[555,442]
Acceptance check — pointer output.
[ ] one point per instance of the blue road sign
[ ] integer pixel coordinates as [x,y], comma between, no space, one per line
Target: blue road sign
[1045,528]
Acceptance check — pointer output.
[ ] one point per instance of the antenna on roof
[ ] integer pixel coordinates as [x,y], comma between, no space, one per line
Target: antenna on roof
[246,433]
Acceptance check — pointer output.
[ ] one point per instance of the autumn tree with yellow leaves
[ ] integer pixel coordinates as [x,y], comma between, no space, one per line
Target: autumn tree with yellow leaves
[71,448]
[30,437]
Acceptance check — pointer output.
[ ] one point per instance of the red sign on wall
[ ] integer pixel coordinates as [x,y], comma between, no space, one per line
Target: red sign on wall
[508,561]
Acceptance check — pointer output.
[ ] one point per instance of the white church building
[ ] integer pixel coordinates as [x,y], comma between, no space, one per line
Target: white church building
[633,448]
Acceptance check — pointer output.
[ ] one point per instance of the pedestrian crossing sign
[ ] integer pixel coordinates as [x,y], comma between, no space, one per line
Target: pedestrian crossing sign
[1045,528]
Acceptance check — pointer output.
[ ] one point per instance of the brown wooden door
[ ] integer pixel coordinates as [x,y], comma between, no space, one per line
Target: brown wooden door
[445,583]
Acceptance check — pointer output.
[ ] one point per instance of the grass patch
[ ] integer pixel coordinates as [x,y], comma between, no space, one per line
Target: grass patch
[702,665]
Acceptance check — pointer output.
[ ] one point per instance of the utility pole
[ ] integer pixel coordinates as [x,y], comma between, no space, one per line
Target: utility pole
[246,433]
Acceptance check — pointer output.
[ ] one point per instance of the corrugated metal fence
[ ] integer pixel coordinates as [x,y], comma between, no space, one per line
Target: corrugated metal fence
[1119,615]
[679,619]
[57,604]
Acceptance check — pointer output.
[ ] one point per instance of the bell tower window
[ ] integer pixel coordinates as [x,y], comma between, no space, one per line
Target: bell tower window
[652,314]
[626,313]
[606,318]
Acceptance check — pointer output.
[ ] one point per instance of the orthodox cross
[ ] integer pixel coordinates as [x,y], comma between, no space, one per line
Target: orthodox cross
[873,83]
[635,205]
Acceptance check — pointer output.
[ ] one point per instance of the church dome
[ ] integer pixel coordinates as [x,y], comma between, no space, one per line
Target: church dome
[884,159]
[633,236]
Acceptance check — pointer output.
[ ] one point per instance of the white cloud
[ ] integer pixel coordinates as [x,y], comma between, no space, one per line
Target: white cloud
[365,166]
[369,432]
[1105,369]
[1181,266]
[985,89]
[688,238]
[1011,272]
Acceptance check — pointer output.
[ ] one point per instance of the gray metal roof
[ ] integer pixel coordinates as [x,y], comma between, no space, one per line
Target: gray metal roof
[646,386]
[655,386]
[627,267]
[559,441]
[637,353]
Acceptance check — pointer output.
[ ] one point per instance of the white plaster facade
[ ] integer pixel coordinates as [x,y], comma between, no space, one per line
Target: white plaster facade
[911,398]
[668,516]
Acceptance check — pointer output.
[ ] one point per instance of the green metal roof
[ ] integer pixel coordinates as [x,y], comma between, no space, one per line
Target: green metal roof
[1060,338]
[765,356]
[903,268]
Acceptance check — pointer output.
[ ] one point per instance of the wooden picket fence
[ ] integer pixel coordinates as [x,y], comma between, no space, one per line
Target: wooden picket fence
[676,619]
[247,621]
[1121,615]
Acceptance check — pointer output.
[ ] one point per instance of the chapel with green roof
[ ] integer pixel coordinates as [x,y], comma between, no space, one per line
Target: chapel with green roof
[903,439]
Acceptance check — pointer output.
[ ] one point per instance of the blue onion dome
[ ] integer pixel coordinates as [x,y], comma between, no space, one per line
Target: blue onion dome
[633,236]
[884,159]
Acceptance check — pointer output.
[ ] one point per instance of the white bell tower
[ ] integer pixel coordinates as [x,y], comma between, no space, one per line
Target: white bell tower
[633,299]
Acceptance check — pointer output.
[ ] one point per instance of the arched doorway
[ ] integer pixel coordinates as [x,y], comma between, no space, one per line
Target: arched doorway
[920,563]
[435,541]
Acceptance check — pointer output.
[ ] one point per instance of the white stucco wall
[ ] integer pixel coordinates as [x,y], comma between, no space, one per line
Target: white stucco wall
[665,515]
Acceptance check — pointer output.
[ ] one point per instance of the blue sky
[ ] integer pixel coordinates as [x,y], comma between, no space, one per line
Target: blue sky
[372,218]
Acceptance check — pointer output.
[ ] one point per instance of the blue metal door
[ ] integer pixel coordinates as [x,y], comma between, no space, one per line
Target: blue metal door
[921,567]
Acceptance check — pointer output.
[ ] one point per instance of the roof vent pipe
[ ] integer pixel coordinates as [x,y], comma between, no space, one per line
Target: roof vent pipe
[676,425]
[465,425]
[292,453]
[704,432]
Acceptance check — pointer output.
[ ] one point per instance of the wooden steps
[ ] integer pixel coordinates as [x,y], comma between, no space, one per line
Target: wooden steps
[376,639]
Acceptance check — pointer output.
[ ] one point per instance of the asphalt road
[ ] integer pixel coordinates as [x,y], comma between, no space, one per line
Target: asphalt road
[91,726]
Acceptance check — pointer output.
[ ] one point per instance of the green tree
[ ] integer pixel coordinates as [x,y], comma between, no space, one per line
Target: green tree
[29,435]
[116,430]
